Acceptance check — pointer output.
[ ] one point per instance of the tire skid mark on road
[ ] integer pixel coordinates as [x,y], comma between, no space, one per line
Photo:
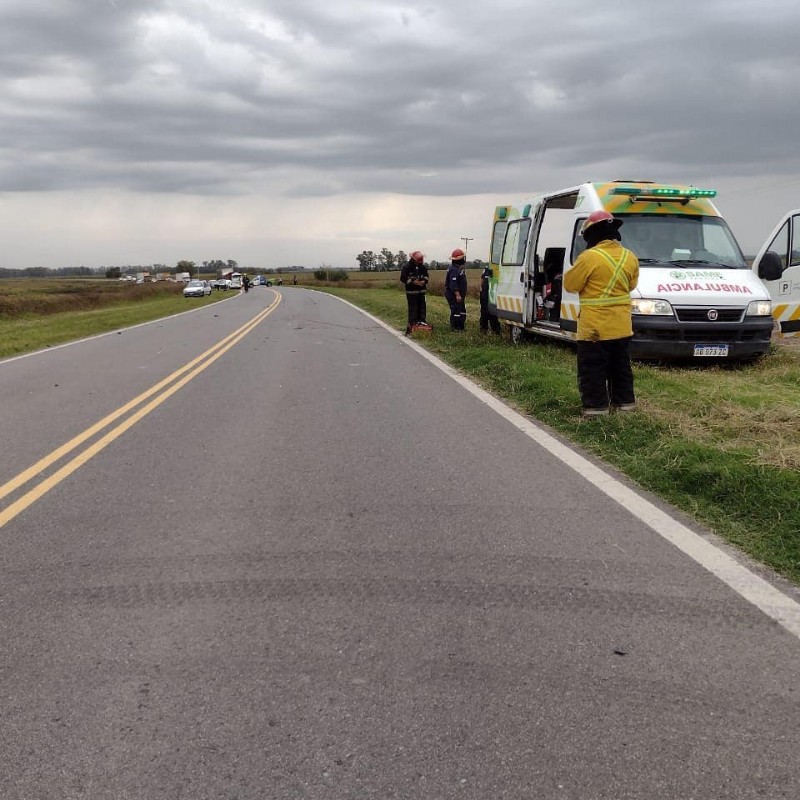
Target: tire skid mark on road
[160,392]
[758,591]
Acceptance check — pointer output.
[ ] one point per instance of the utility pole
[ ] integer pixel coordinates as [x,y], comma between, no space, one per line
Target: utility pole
[466,240]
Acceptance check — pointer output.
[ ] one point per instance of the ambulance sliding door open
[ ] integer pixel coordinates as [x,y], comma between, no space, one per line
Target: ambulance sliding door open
[552,237]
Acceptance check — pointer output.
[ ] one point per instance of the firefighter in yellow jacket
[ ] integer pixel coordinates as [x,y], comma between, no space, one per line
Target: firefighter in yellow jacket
[603,277]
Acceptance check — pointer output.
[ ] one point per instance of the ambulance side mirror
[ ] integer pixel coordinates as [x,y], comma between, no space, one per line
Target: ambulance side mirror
[770,268]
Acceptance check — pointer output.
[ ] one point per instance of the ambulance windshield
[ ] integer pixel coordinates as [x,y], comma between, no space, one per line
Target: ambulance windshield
[683,238]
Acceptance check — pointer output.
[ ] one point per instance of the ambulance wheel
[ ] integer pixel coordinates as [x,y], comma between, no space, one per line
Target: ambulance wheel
[515,334]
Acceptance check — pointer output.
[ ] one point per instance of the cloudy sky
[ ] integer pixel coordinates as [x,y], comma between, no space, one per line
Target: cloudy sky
[278,132]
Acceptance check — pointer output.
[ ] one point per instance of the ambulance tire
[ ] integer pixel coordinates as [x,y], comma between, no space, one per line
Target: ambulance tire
[516,334]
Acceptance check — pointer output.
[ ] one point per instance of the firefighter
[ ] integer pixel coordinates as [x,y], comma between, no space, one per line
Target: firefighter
[487,319]
[603,277]
[455,289]
[414,276]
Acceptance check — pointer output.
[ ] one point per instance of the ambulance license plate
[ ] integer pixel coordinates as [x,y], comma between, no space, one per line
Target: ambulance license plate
[711,350]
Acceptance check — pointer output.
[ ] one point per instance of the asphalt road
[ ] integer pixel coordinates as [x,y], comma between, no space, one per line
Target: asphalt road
[321,568]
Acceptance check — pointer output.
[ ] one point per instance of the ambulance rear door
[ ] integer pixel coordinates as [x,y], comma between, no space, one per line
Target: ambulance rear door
[512,279]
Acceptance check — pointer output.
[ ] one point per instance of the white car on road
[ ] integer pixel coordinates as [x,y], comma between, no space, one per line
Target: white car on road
[196,288]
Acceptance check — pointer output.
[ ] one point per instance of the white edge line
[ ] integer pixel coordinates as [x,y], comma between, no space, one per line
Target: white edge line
[753,588]
[107,333]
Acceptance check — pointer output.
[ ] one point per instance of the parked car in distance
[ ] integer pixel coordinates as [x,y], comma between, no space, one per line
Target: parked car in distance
[196,288]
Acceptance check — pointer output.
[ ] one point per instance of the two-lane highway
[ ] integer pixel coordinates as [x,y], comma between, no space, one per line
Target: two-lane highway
[319,567]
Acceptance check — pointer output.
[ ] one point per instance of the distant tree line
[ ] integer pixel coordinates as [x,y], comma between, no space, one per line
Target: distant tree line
[386,261]
[47,272]
[216,265]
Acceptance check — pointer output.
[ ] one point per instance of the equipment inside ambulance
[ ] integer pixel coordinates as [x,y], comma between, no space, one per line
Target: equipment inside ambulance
[697,296]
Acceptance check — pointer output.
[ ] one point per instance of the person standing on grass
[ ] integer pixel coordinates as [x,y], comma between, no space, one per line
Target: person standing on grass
[414,276]
[487,319]
[603,277]
[455,289]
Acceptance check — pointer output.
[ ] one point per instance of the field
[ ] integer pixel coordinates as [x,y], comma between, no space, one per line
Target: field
[37,313]
[387,280]
[720,442]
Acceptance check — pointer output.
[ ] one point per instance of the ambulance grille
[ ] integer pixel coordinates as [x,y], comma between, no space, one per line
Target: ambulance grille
[694,314]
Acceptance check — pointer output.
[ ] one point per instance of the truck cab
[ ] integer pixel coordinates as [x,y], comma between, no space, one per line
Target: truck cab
[778,265]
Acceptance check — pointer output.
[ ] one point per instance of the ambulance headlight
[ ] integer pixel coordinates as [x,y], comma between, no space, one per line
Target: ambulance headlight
[759,308]
[642,305]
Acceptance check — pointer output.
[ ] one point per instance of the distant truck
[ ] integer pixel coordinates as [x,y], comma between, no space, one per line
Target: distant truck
[183,277]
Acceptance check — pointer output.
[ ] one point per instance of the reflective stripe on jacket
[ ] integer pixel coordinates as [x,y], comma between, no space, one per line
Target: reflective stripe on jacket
[603,278]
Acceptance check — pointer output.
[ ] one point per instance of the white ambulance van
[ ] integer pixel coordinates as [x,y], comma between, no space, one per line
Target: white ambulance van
[781,254]
[697,297]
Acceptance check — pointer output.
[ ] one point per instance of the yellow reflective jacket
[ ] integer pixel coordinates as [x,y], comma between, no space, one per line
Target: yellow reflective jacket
[603,278]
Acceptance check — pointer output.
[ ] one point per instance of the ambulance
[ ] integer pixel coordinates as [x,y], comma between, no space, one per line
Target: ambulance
[697,297]
[781,255]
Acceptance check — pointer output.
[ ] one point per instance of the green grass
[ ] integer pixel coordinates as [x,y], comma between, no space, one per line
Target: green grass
[720,442]
[32,325]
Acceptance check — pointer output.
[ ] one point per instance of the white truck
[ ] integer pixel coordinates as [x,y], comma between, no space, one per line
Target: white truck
[697,297]
[778,265]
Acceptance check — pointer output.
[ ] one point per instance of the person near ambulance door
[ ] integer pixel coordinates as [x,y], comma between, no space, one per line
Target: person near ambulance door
[455,289]
[414,276]
[487,319]
[603,277]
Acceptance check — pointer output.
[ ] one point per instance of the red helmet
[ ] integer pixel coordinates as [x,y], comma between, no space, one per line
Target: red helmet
[417,256]
[458,254]
[599,216]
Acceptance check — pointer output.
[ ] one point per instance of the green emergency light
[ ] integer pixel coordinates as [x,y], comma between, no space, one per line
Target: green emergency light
[663,193]
[702,192]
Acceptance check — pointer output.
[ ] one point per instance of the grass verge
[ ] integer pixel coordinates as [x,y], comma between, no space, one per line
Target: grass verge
[721,443]
[27,332]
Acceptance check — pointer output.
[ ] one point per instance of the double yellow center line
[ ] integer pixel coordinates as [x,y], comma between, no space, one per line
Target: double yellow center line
[162,391]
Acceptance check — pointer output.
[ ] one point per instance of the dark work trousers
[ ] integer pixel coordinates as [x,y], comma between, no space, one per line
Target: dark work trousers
[605,373]
[488,319]
[458,312]
[417,308]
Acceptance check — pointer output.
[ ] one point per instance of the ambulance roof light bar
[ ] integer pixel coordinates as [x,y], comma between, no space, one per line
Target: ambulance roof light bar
[664,193]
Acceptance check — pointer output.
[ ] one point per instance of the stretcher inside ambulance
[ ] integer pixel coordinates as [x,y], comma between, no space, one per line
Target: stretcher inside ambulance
[697,296]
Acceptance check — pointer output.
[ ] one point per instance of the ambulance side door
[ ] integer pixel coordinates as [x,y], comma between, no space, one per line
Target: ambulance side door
[532,287]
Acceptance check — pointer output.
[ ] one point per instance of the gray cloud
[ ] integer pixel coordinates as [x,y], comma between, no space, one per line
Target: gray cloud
[438,97]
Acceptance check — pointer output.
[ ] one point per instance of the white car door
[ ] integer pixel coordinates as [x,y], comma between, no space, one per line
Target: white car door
[785,291]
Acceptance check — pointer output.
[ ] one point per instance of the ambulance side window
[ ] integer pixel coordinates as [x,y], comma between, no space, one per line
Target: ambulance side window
[516,241]
[794,256]
[497,240]
[578,242]
[780,244]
